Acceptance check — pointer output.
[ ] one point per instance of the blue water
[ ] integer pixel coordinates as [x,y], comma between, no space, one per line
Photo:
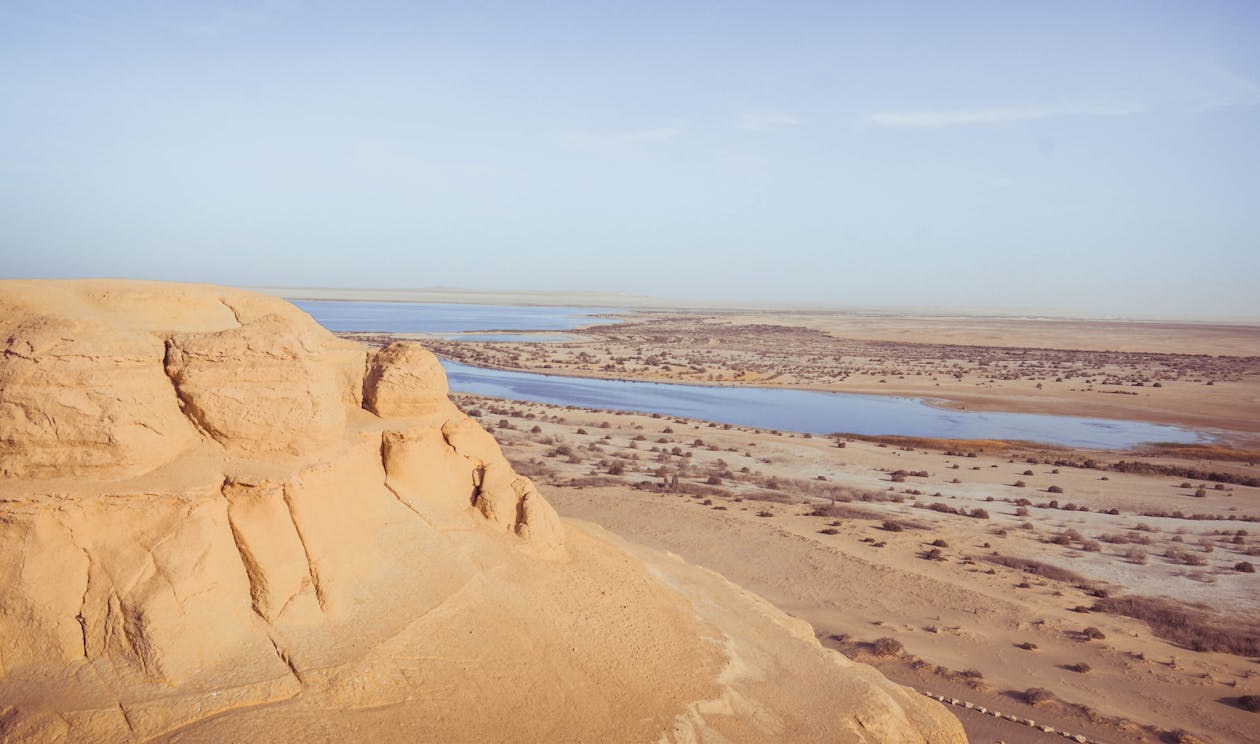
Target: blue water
[536,338]
[809,411]
[435,317]
[765,408]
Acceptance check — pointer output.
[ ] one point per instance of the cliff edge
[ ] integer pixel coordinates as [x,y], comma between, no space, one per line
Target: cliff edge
[218,521]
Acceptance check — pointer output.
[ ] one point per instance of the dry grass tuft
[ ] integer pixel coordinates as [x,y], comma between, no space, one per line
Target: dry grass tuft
[1027,565]
[1194,629]
[887,647]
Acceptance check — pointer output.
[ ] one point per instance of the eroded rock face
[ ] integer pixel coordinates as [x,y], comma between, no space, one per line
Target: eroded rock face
[264,387]
[127,382]
[210,504]
[69,408]
[404,379]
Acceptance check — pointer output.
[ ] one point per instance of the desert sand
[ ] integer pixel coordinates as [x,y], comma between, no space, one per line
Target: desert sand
[987,563]
[219,522]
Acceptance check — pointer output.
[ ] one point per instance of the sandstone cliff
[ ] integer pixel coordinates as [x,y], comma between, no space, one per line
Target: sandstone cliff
[219,521]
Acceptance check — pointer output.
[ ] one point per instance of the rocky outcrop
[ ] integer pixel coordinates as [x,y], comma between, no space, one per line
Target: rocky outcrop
[221,521]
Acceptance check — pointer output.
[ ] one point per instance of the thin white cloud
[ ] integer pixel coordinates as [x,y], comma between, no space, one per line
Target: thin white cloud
[1223,88]
[998,115]
[627,137]
[763,122]
[662,134]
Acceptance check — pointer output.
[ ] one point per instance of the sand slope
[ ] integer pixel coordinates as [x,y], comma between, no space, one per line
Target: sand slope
[218,521]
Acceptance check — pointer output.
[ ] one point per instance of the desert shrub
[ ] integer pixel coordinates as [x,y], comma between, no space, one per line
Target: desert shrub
[532,469]
[1079,667]
[933,555]
[1054,489]
[845,511]
[939,543]
[1186,626]
[1184,557]
[595,481]
[1250,703]
[892,526]
[1019,484]
[1027,646]
[887,647]
[1244,567]
[1037,695]
[1038,568]
[1151,468]
[829,531]
[1093,634]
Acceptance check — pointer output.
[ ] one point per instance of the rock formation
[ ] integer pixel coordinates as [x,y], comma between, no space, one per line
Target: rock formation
[219,521]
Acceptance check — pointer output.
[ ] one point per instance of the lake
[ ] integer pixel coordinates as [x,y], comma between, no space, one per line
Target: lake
[760,407]
[437,317]
[809,411]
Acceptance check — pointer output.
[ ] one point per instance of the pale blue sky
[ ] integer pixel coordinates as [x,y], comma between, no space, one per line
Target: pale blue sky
[1093,157]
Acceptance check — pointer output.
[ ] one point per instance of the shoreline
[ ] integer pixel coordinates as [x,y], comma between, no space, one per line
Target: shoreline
[953,401]
[554,298]
[1198,378]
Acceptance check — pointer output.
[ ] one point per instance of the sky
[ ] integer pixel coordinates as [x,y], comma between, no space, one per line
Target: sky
[1089,158]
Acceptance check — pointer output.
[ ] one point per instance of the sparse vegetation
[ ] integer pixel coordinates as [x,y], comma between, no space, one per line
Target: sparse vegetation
[1037,695]
[1186,626]
[1038,568]
[887,647]
[1097,530]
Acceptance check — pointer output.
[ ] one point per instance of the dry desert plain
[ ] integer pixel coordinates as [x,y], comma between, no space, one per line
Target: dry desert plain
[1112,601]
